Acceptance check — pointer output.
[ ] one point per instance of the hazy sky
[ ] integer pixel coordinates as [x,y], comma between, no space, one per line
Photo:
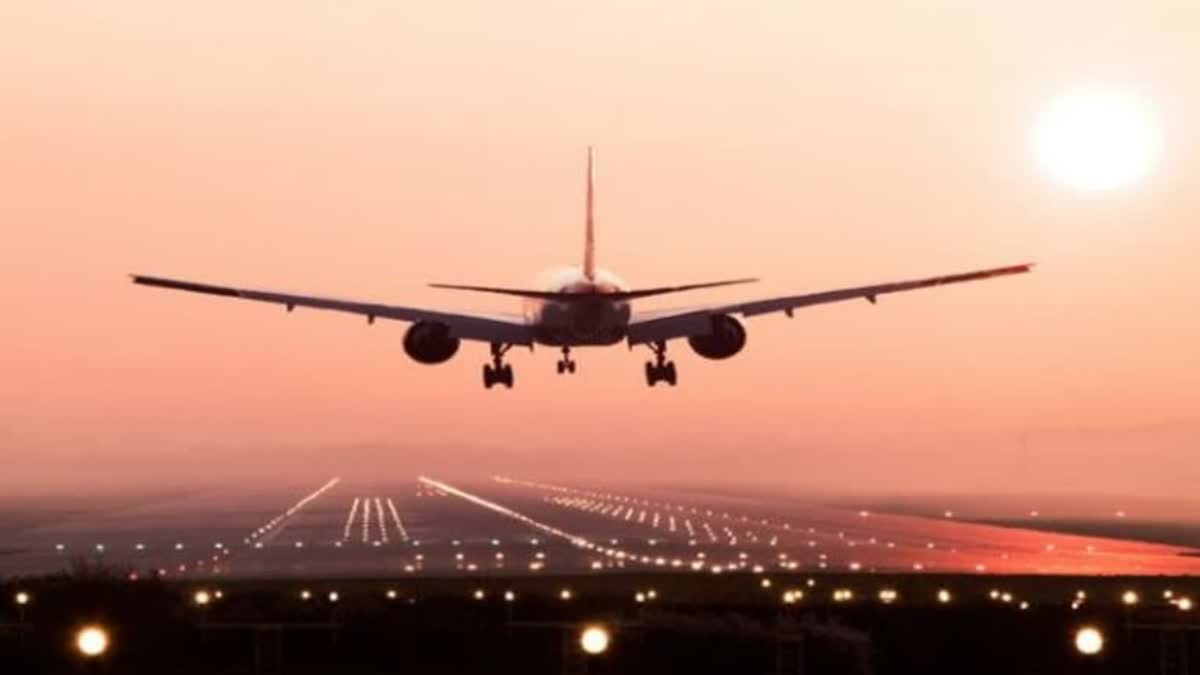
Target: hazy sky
[362,149]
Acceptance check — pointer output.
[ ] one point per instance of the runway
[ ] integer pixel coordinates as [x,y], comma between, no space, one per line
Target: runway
[512,525]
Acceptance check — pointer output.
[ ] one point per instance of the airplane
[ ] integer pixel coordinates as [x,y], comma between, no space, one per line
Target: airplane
[583,306]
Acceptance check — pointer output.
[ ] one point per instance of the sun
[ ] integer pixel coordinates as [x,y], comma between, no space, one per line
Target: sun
[1096,137]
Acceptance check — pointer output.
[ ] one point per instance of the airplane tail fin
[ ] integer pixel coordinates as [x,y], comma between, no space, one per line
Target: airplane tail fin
[589,238]
[589,265]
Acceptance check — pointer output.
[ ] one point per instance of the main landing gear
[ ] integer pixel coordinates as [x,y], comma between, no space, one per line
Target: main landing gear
[566,364]
[498,372]
[661,370]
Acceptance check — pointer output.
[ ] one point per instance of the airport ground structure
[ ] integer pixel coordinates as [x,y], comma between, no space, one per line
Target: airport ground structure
[507,574]
[737,622]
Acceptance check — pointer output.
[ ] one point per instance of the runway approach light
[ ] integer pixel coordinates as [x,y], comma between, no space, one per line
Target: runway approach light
[333,596]
[888,595]
[1184,604]
[22,598]
[594,640]
[201,598]
[944,597]
[91,641]
[1129,598]
[1089,641]
[564,594]
[509,596]
[306,594]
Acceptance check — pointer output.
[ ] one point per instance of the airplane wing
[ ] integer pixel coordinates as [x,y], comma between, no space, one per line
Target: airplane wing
[677,323]
[506,328]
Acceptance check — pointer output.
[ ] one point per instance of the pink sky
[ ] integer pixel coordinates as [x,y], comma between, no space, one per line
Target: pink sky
[363,149]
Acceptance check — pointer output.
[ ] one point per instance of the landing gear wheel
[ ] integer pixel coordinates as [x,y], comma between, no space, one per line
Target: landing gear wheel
[498,372]
[651,374]
[571,367]
[561,367]
[669,373]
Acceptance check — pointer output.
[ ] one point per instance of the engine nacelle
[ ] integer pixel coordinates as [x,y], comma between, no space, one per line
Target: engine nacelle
[726,339]
[430,342]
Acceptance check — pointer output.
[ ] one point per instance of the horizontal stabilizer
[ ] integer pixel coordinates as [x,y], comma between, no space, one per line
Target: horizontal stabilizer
[562,296]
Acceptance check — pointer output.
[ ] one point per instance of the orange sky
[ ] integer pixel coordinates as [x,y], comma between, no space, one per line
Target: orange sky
[363,149]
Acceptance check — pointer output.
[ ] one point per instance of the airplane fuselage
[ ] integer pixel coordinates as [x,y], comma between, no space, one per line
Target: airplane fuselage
[595,321]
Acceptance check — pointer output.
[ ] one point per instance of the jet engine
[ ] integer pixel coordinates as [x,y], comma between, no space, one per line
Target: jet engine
[726,338]
[430,342]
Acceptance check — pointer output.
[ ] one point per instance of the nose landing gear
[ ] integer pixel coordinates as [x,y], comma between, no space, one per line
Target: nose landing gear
[661,370]
[566,364]
[498,372]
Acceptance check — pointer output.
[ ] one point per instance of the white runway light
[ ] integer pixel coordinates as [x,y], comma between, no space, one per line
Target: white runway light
[594,640]
[91,641]
[1089,641]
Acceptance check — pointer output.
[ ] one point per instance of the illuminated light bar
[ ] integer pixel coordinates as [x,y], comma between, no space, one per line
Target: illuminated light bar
[366,520]
[396,519]
[383,533]
[574,539]
[291,511]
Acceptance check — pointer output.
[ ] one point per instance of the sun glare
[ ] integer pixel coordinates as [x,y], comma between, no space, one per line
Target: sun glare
[1095,137]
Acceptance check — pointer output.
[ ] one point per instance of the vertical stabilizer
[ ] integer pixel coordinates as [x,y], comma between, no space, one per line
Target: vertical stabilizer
[589,242]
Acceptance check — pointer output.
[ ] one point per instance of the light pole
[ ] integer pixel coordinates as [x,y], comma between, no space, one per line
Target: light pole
[201,599]
[22,599]
[593,640]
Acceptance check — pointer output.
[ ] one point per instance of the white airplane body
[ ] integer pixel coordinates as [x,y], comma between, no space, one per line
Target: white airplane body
[583,306]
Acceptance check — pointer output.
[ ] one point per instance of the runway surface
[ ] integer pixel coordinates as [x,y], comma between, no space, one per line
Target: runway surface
[426,526]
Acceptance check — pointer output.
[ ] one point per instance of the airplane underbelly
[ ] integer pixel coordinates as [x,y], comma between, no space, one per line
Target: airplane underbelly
[583,323]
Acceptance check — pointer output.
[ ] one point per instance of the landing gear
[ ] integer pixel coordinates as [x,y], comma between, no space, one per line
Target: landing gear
[498,372]
[566,364]
[497,375]
[661,370]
